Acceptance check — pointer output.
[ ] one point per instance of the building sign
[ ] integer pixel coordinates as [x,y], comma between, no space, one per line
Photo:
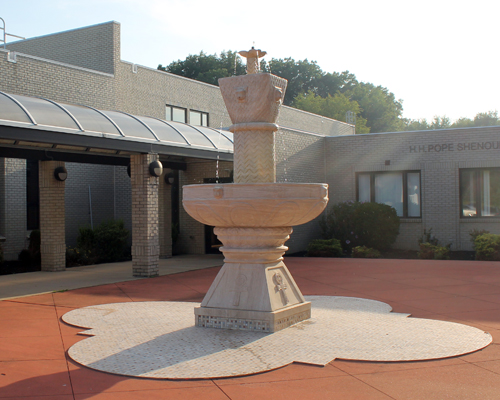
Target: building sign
[466,146]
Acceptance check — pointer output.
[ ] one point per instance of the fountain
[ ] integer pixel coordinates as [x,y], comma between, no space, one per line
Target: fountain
[254,215]
[254,294]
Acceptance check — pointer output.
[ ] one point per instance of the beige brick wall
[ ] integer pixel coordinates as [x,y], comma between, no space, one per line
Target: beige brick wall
[95,47]
[439,155]
[13,206]
[145,234]
[52,216]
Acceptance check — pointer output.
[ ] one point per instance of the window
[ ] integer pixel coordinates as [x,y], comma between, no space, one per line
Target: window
[480,192]
[198,118]
[400,190]
[175,114]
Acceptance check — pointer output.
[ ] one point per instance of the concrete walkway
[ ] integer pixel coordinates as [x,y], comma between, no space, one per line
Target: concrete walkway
[18,285]
[33,339]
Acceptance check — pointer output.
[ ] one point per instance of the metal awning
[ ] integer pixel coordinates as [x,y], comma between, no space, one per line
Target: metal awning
[32,124]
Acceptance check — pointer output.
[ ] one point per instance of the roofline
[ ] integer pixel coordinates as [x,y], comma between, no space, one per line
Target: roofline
[66,31]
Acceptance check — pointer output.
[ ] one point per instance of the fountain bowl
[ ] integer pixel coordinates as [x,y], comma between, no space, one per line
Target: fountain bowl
[255,205]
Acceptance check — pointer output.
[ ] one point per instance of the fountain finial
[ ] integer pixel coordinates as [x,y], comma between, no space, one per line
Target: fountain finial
[252,57]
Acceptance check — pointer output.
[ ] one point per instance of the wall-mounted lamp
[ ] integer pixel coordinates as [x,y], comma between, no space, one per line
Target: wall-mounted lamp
[129,171]
[155,168]
[170,178]
[60,173]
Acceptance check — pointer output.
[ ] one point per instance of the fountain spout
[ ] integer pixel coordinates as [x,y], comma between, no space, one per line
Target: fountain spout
[252,56]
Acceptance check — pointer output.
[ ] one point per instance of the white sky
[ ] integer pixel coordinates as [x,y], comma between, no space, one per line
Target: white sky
[440,57]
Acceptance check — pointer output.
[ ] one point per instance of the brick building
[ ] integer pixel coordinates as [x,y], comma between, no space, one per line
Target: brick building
[445,180]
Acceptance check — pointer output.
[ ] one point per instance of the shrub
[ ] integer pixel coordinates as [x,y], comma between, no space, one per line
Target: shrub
[110,239]
[430,251]
[474,234]
[487,247]
[365,252]
[106,243]
[324,248]
[25,258]
[355,224]
[428,237]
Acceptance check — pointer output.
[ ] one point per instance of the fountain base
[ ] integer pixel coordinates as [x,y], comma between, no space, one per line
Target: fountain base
[253,297]
[247,320]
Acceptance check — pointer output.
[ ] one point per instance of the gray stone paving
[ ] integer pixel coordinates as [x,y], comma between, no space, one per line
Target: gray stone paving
[159,339]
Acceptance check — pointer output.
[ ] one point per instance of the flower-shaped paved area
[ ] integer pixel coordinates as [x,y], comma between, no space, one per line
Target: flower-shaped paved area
[34,340]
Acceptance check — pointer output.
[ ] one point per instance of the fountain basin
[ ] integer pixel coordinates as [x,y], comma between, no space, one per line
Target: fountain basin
[256,205]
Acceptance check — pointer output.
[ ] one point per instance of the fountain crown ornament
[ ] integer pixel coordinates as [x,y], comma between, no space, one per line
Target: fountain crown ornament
[252,56]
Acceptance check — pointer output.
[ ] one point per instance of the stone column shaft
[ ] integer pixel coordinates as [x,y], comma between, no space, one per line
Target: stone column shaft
[52,218]
[145,235]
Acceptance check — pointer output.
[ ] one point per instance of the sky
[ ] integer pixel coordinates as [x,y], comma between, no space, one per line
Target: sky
[439,57]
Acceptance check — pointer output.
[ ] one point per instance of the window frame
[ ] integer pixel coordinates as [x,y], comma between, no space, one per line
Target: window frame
[202,113]
[167,106]
[405,188]
[477,192]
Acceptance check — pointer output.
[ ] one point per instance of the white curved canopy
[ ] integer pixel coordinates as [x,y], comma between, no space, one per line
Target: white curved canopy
[46,123]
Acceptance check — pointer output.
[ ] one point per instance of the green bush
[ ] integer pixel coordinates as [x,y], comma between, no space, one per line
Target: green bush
[324,248]
[365,252]
[474,234]
[487,247]
[110,240]
[355,224]
[430,251]
[428,237]
[106,243]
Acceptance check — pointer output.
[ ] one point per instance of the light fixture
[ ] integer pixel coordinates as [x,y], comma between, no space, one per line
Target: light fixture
[170,178]
[60,173]
[155,168]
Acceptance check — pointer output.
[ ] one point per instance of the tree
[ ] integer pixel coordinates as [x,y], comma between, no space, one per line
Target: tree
[302,76]
[489,118]
[376,109]
[379,107]
[207,67]
[335,107]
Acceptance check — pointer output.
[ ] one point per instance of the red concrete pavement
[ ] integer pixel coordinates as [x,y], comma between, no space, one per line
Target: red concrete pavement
[33,339]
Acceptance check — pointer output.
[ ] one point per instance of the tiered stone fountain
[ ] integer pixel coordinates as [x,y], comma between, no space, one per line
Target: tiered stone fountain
[254,216]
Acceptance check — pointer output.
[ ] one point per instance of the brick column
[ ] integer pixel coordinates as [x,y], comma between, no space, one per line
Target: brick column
[145,238]
[165,216]
[52,214]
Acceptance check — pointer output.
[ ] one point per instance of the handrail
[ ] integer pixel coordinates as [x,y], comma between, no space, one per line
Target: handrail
[5,34]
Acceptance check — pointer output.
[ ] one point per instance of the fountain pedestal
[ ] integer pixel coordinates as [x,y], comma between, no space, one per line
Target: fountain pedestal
[254,289]
[254,216]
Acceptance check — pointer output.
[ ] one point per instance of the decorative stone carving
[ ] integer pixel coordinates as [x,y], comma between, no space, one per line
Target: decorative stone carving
[254,216]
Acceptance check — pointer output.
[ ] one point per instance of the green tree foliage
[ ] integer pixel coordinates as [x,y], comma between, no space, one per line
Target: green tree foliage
[489,118]
[335,107]
[309,88]
[207,67]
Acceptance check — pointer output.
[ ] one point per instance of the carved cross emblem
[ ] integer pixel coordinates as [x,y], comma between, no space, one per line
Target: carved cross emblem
[280,286]
[241,286]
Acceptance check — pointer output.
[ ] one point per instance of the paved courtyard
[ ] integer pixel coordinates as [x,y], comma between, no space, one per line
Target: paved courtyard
[34,340]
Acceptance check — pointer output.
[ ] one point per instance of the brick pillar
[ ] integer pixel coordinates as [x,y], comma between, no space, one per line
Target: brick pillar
[165,216]
[52,223]
[145,238]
